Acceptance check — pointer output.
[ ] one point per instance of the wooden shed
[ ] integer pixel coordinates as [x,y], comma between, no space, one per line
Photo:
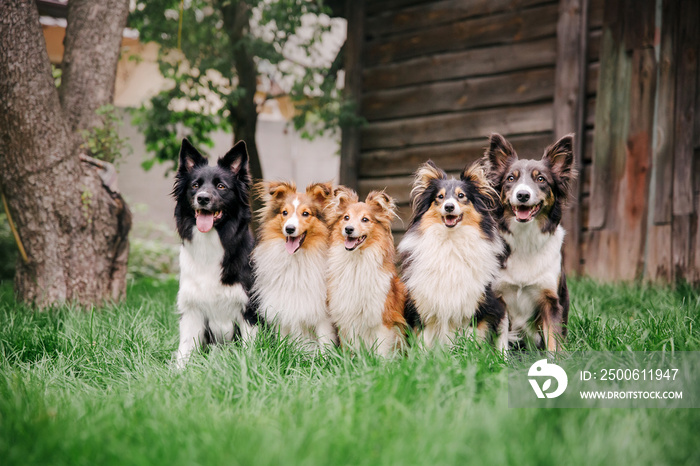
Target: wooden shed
[433,78]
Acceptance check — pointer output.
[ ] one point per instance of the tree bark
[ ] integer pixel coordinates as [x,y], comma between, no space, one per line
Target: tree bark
[92,44]
[73,228]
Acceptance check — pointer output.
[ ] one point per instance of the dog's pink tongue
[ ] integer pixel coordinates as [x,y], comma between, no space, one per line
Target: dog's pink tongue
[205,221]
[350,243]
[292,244]
[522,213]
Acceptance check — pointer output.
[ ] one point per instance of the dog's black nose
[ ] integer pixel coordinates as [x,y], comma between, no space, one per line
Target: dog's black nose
[290,229]
[449,207]
[349,230]
[203,199]
[523,196]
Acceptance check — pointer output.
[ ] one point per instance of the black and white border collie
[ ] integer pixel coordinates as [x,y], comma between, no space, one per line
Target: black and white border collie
[451,256]
[212,214]
[532,282]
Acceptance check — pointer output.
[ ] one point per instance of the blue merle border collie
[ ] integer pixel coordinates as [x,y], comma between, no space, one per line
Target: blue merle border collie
[532,282]
[451,255]
[213,215]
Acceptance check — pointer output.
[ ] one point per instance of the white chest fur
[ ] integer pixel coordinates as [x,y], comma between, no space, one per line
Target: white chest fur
[201,289]
[449,271]
[534,265]
[357,292]
[291,288]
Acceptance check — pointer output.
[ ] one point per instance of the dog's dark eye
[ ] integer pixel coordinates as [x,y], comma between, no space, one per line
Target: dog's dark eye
[220,186]
[284,212]
[305,214]
[440,196]
[195,185]
[460,195]
[540,179]
[365,219]
[510,178]
[346,218]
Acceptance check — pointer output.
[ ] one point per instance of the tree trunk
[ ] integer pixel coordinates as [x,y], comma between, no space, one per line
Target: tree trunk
[73,228]
[92,44]
[244,114]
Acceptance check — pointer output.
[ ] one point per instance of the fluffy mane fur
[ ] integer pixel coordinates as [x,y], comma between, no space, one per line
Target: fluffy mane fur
[366,298]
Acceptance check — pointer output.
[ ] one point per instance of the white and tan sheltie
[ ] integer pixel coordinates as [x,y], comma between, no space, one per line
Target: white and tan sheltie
[290,261]
[366,298]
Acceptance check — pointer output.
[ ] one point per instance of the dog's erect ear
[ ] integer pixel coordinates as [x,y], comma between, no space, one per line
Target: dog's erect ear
[476,174]
[273,190]
[499,155]
[342,198]
[189,157]
[560,158]
[383,205]
[321,193]
[382,201]
[425,175]
[236,160]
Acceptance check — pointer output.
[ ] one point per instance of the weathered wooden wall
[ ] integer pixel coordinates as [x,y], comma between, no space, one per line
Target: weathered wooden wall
[434,78]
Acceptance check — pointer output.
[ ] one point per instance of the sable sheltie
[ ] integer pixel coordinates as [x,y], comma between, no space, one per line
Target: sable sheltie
[212,214]
[451,256]
[290,261]
[532,194]
[365,296]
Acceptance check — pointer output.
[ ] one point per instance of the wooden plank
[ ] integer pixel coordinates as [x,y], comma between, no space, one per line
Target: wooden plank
[595,14]
[686,86]
[666,116]
[450,156]
[398,187]
[569,104]
[585,179]
[594,41]
[590,111]
[439,12]
[658,267]
[495,29]
[451,96]
[592,76]
[381,7]
[633,201]
[609,151]
[694,262]
[462,64]
[588,146]
[350,142]
[457,126]
[681,246]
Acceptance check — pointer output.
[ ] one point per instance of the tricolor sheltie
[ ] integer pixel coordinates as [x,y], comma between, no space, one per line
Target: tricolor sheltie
[365,295]
[532,282]
[290,261]
[213,216]
[451,256]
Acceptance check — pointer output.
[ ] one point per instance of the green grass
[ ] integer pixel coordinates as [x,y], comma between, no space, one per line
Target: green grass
[97,388]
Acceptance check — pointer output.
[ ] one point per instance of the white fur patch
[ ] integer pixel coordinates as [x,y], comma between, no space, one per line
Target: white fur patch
[357,294]
[448,273]
[291,291]
[522,187]
[534,265]
[294,220]
[202,299]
